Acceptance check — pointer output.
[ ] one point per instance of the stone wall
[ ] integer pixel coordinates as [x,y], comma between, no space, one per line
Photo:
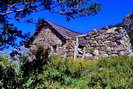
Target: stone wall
[69,46]
[47,39]
[128,25]
[128,21]
[107,42]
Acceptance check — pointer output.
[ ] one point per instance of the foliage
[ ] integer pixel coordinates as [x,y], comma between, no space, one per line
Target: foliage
[58,73]
[114,73]
[108,73]
[69,8]
[9,34]
[9,75]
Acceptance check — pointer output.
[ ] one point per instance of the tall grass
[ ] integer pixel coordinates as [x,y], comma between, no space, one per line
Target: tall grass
[107,73]
[58,73]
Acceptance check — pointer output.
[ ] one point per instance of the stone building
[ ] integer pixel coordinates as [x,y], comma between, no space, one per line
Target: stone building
[58,39]
[106,42]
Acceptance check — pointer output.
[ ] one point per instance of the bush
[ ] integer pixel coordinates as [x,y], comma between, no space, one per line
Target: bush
[108,73]
[9,76]
[113,73]
[57,73]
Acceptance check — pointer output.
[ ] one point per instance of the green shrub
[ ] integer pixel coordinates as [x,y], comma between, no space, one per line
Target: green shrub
[9,77]
[108,73]
[58,73]
[113,73]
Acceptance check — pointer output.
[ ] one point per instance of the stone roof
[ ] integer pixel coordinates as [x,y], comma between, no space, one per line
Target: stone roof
[67,33]
[64,32]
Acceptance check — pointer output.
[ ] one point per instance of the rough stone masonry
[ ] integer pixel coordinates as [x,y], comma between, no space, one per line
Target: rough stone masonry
[107,42]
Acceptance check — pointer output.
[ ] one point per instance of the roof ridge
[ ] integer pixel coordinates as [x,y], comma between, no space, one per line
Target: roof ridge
[63,31]
[51,22]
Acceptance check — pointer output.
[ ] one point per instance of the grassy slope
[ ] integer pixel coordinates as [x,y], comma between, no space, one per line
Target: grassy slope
[108,73]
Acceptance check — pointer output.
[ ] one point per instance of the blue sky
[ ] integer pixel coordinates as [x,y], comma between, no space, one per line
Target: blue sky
[113,12]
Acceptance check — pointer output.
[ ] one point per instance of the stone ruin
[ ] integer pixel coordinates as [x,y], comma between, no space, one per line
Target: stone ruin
[128,21]
[109,41]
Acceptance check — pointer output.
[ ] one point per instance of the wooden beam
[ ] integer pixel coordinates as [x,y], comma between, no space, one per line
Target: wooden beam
[76,48]
[77,45]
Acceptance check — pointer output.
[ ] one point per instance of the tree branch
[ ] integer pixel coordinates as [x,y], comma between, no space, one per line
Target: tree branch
[9,12]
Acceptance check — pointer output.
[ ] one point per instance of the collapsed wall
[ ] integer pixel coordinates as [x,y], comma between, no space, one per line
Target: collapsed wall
[107,42]
[128,21]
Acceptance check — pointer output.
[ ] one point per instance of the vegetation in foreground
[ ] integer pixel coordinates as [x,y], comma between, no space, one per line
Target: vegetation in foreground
[57,73]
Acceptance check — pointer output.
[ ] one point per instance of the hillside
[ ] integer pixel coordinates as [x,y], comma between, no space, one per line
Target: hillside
[57,73]
[53,72]
[108,73]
